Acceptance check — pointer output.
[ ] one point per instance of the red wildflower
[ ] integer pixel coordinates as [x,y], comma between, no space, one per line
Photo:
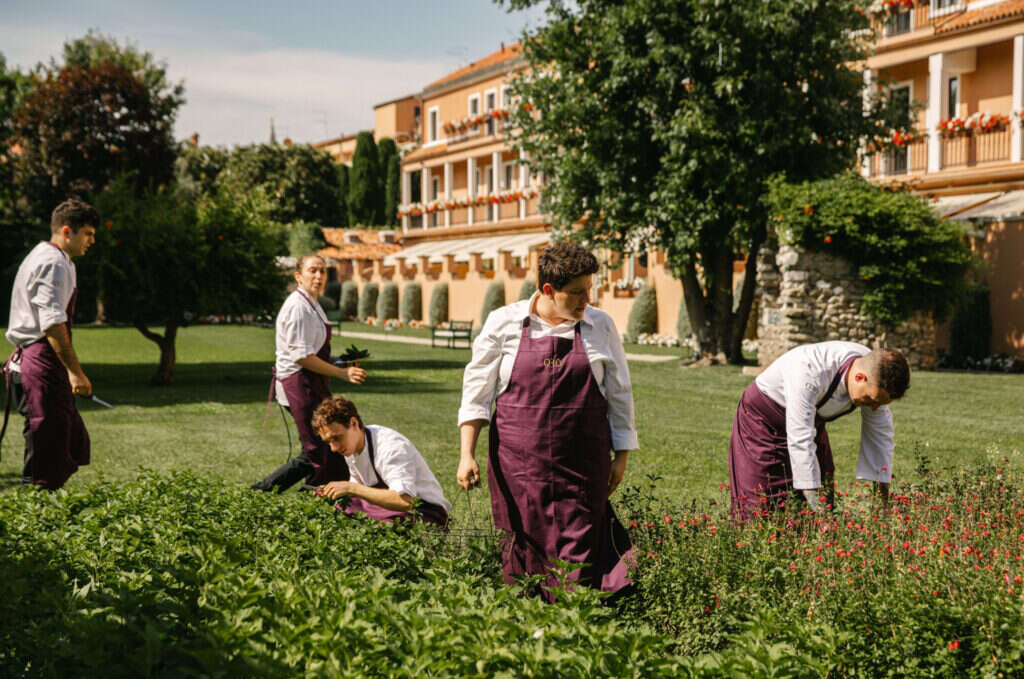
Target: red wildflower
[808,210]
[109,224]
[828,239]
[955,644]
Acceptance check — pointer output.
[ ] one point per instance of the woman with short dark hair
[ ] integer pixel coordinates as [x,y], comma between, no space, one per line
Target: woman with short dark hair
[556,371]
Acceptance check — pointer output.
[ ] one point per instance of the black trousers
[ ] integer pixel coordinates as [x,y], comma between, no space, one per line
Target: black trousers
[287,475]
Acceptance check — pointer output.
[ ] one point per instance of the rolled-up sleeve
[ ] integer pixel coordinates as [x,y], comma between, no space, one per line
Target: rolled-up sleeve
[618,391]
[480,380]
[297,340]
[877,442]
[801,392]
[46,295]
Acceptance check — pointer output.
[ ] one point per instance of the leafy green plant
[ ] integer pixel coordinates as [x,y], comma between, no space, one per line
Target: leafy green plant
[438,305]
[643,315]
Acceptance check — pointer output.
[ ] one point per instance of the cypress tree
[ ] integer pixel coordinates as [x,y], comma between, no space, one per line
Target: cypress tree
[387,302]
[349,300]
[493,299]
[392,191]
[439,305]
[364,182]
[412,302]
[368,301]
[343,195]
[386,150]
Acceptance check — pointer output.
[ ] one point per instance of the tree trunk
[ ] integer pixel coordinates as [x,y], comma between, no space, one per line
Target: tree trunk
[742,315]
[168,356]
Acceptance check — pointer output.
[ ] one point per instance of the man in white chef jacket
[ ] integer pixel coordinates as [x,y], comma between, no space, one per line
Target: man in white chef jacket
[779,442]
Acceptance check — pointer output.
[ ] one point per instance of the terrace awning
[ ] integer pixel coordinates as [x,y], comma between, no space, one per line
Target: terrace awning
[949,206]
[519,245]
[1009,205]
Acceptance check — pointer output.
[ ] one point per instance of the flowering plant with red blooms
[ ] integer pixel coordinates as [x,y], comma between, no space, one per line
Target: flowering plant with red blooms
[932,585]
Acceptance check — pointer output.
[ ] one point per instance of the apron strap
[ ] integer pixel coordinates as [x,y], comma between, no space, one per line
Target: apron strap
[843,369]
[373,464]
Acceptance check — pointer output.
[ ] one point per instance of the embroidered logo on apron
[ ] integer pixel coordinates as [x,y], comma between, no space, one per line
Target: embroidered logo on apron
[552,363]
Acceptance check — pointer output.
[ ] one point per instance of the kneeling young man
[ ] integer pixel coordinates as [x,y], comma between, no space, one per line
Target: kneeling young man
[779,442]
[387,473]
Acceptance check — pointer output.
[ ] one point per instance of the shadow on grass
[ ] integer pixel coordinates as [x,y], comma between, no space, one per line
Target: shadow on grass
[244,382]
[10,479]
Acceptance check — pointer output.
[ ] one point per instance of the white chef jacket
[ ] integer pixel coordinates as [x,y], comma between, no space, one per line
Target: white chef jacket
[300,331]
[402,467]
[494,353]
[800,378]
[42,291]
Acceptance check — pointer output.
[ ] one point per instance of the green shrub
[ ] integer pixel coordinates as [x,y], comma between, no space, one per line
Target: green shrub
[412,302]
[349,303]
[333,290]
[494,298]
[304,238]
[683,327]
[368,301]
[438,305]
[387,302]
[328,303]
[970,329]
[529,287]
[643,315]
[909,259]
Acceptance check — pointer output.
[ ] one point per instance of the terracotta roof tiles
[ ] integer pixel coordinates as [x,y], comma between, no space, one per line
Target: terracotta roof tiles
[985,15]
[506,53]
[371,246]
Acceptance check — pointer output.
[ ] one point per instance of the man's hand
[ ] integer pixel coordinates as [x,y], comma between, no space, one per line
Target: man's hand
[80,384]
[468,475]
[335,489]
[813,501]
[354,374]
[617,471]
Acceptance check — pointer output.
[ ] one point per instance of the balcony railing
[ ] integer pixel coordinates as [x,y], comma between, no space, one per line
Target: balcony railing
[968,150]
[503,207]
[907,20]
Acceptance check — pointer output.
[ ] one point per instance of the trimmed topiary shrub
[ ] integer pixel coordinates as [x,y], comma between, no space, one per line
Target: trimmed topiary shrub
[412,303]
[529,287]
[387,302]
[328,303]
[333,290]
[683,326]
[970,328]
[349,302]
[438,305]
[643,316]
[494,299]
[368,301]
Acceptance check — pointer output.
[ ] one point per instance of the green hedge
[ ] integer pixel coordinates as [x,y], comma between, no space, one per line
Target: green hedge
[368,301]
[438,305]
[349,304]
[526,291]
[493,299]
[387,302]
[643,315]
[970,329]
[412,302]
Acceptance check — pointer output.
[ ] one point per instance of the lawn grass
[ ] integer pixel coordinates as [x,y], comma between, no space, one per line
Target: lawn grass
[211,420]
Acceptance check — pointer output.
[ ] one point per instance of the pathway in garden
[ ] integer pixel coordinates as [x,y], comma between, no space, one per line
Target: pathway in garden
[647,358]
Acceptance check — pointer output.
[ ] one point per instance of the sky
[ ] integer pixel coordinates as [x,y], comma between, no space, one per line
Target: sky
[316,67]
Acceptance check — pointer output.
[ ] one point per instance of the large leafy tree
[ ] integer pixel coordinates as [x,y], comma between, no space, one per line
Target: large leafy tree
[659,123]
[364,188]
[17,230]
[162,259]
[298,182]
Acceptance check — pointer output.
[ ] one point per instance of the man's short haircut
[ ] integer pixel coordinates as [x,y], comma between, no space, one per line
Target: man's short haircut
[337,410]
[891,369]
[561,262]
[301,261]
[75,213]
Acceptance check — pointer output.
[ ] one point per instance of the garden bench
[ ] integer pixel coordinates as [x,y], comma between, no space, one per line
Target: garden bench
[451,332]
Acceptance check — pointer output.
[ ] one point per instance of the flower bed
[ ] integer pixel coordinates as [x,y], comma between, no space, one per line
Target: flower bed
[979,123]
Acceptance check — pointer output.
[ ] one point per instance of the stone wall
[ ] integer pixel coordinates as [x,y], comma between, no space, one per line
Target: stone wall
[811,297]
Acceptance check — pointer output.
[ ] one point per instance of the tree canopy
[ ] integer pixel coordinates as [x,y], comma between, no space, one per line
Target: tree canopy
[659,123]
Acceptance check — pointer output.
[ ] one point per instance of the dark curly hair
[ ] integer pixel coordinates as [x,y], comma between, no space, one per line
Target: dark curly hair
[337,410]
[891,369]
[562,262]
[75,213]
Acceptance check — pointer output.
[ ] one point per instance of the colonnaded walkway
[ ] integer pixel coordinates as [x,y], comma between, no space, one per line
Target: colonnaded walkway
[647,358]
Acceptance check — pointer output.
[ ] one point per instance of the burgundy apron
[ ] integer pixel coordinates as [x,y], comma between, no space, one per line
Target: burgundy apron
[549,464]
[424,511]
[60,442]
[305,390]
[760,472]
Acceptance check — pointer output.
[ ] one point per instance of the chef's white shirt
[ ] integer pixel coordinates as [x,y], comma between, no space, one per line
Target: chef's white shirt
[42,291]
[300,331]
[402,467]
[494,352]
[797,381]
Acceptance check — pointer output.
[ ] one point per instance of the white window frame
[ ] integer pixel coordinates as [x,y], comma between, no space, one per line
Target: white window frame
[435,187]
[959,90]
[433,132]
[910,20]
[501,97]
[490,124]
[469,104]
[909,86]
[477,179]
[508,171]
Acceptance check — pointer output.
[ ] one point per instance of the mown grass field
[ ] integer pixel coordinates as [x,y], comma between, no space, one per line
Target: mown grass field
[211,421]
